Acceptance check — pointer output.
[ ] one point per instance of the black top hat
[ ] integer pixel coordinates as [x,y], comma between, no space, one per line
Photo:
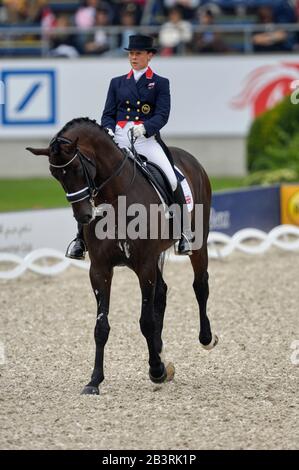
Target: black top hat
[141,43]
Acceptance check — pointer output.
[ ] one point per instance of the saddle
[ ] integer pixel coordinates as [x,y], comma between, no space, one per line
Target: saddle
[156,176]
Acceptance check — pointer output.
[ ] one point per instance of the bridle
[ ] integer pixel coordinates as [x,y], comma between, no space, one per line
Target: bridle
[91,190]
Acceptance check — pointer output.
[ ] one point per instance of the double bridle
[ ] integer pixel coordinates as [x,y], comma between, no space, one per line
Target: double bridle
[91,190]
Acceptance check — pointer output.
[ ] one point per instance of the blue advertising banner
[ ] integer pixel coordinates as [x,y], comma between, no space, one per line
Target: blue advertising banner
[29,97]
[257,207]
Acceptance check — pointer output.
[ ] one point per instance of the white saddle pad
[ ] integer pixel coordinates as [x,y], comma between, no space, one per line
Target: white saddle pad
[187,191]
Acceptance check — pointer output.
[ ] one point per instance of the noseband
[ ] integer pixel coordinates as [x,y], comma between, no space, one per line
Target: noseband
[91,190]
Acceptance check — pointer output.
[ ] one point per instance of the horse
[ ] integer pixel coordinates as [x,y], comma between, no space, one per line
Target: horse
[93,170]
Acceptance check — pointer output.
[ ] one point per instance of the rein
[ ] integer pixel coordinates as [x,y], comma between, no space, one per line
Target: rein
[91,190]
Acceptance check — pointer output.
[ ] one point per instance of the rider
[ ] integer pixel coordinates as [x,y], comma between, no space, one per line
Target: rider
[141,100]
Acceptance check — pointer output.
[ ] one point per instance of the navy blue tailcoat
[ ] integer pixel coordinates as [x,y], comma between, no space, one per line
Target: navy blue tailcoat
[147,101]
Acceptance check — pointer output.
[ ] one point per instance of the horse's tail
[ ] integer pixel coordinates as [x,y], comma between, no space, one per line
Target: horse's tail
[161,261]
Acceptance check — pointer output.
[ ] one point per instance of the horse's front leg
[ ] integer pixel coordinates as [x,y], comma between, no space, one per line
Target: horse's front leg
[147,281]
[101,284]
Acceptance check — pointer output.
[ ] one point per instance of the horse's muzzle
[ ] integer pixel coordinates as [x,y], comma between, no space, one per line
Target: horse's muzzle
[85,219]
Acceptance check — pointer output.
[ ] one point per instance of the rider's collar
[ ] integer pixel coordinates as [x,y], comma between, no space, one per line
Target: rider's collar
[137,73]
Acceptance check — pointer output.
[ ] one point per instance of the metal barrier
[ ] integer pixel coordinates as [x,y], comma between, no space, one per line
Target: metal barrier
[220,246]
[10,34]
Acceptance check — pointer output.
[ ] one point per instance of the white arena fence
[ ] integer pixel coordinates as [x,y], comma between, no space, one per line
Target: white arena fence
[250,241]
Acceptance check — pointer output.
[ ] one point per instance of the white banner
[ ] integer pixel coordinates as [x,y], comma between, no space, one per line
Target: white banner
[23,232]
[210,96]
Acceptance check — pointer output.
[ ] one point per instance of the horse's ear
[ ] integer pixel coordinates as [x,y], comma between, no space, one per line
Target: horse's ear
[45,151]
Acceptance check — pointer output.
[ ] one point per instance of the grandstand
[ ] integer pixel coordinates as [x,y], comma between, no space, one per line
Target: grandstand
[37,28]
[209,40]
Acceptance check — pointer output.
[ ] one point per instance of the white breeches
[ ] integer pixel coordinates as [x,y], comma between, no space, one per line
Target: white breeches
[148,147]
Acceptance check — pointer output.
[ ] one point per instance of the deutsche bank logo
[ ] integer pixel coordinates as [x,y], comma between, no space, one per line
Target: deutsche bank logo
[29,97]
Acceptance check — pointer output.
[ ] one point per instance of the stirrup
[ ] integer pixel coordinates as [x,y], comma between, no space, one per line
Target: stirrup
[183,246]
[81,250]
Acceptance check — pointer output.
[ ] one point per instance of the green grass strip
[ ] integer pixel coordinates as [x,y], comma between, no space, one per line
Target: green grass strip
[42,193]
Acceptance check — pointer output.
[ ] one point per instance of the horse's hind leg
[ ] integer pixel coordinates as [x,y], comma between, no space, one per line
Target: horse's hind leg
[147,280]
[101,284]
[199,260]
[159,310]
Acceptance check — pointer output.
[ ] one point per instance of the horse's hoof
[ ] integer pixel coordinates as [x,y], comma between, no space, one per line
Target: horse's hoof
[212,344]
[158,380]
[90,390]
[170,370]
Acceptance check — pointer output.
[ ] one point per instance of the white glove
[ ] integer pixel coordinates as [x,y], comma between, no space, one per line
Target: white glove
[110,132]
[138,130]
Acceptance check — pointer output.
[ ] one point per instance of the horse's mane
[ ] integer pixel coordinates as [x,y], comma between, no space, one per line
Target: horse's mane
[80,120]
[86,120]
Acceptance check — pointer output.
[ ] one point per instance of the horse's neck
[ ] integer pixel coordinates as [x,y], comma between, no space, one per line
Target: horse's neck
[109,158]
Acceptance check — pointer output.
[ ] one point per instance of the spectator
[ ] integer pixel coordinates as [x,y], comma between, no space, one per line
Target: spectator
[85,16]
[36,10]
[271,41]
[284,11]
[188,7]
[48,19]
[127,20]
[3,14]
[208,41]
[16,11]
[63,44]
[100,42]
[154,14]
[175,33]
[136,7]
[26,11]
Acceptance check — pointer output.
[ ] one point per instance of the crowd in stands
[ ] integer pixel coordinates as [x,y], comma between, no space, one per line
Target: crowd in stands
[177,25]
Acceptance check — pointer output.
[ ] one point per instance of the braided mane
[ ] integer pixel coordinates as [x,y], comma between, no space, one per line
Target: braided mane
[90,122]
[80,120]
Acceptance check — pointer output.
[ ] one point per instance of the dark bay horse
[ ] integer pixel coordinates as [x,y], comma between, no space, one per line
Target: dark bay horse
[92,170]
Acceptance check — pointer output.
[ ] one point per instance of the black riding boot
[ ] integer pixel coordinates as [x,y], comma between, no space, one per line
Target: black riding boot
[78,249]
[185,243]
